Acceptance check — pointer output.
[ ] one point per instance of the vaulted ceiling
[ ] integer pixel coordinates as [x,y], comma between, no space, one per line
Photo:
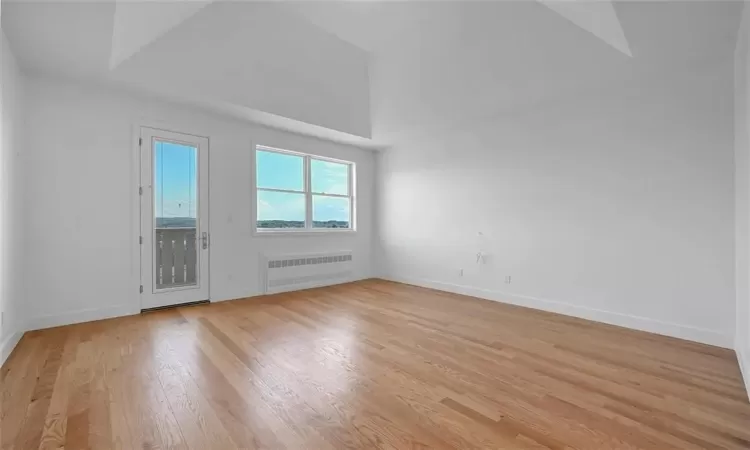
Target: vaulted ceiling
[357,71]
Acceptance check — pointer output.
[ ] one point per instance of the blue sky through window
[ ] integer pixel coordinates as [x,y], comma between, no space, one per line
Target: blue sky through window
[175,184]
[280,171]
[329,177]
[286,172]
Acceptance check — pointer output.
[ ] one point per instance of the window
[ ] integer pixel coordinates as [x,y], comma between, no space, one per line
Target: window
[299,192]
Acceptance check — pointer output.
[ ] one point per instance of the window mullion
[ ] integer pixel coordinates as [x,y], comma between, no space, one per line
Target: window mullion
[319,194]
[350,181]
[284,191]
[308,194]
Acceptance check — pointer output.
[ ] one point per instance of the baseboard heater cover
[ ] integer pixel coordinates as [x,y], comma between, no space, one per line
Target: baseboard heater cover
[292,272]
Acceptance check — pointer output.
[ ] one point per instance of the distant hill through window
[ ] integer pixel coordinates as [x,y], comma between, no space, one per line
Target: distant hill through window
[189,222]
[175,222]
[301,224]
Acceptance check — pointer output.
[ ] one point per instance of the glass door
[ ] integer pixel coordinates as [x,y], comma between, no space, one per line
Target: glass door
[174,220]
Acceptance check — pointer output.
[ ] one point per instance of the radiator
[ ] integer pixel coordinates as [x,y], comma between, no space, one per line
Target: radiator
[294,272]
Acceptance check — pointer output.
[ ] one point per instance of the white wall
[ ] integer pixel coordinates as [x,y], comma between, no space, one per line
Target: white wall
[11,207]
[81,227]
[742,194]
[607,193]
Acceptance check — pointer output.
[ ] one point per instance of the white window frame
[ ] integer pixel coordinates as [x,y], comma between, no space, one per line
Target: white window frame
[307,183]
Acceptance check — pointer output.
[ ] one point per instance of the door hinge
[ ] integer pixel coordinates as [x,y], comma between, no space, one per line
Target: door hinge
[140,142]
[140,240]
[141,289]
[140,190]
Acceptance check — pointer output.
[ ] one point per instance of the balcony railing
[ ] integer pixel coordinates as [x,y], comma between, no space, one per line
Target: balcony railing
[176,257]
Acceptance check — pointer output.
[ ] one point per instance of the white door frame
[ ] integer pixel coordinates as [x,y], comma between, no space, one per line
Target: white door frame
[150,297]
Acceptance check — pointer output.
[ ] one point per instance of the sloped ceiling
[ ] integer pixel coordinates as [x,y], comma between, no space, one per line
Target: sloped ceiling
[258,56]
[370,25]
[598,18]
[439,64]
[137,24]
[357,71]
[248,58]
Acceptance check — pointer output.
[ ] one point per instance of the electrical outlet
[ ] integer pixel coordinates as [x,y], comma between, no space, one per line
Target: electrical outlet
[507,279]
[460,272]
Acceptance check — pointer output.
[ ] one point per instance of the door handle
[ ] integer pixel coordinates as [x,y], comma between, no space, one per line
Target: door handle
[204,240]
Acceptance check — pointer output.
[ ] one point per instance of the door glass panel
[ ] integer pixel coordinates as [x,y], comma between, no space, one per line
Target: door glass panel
[175,213]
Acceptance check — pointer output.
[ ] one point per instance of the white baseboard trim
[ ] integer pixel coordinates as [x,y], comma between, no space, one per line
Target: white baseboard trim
[311,285]
[110,312]
[686,332]
[80,316]
[7,346]
[743,357]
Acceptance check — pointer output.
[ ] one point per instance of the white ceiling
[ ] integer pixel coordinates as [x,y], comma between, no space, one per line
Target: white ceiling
[345,68]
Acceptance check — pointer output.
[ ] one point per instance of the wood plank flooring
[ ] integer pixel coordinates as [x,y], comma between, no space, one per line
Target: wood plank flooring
[371,364]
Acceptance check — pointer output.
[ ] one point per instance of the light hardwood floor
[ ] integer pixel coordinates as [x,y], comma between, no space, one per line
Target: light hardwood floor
[371,364]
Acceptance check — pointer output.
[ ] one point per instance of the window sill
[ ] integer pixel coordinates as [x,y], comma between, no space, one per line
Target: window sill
[323,232]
